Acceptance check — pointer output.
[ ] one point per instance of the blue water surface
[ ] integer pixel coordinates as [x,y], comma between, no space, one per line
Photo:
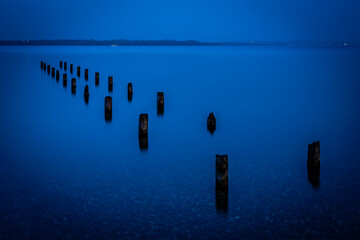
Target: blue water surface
[66,173]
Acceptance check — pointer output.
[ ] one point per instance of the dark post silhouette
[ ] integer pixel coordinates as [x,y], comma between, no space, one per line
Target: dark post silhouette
[97,78]
[221,172]
[143,131]
[86,74]
[73,85]
[108,108]
[130,91]
[71,68]
[64,79]
[53,72]
[86,94]
[65,66]
[60,64]
[57,75]
[110,84]
[42,64]
[48,69]
[160,103]
[78,71]
[313,163]
[211,122]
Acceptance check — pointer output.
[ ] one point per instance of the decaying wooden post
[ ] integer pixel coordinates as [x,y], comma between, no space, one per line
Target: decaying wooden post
[42,64]
[78,71]
[86,74]
[130,91]
[160,103]
[65,66]
[86,93]
[57,75]
[108,108]
[211,122]
[143,131]
[53,72]
[97,78]
[48,69]
[221,172]
[110,83]
[64,79]
[71,68]
[60,64]
[313,160]
[73,85]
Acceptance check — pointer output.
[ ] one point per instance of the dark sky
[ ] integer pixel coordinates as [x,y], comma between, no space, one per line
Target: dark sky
[204,20]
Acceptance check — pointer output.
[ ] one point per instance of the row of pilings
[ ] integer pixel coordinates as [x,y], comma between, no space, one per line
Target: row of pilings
[221,161]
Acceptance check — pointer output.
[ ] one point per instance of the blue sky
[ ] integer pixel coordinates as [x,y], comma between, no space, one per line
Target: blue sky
[204,20]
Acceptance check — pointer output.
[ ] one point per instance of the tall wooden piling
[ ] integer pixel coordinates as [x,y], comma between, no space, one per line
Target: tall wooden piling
[211,122]
[160,103]
[60,64]
[53,72]
[57,75]
[48,69]
[221,172]
[78,71]
[86,94]
[44,66]
[86,74]
[65,66]
[110,83]
[73,85]
[64,79]
[71,68]
[313,160]
[143,124]
[108,108]
[97,77]
[130,91]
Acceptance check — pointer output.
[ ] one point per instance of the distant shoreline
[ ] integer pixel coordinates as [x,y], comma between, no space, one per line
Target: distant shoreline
[122,42]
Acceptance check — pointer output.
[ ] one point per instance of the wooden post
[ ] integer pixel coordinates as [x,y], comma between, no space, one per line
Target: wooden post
[313,163]
[97,77]
[108,108]
[53,72]
[221,172]
[73,85]
[57,75]
[86,74]
[48,69]
[64,79]
[110,83]
[71,68]
[130,91]
[86,94]
[60,64]
[143,131]
[78,71]
[65,66]
[160,103]
[211,123]
[42,64]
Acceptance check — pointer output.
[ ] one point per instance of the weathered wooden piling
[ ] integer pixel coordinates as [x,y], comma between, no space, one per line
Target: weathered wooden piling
[73,85]
[64,79]
[160,103]
[86,93]
[108,108]
[130,91]
[60,64]
[143,141]
[221,198]
[211,122]
[97,77]
[57,75]
[221,172]
[42,64]
[65,66]
[86,74]
[143,124]
[110,83]
[53,72]
[48,69]
[313,161]
[71,68]
[78,71]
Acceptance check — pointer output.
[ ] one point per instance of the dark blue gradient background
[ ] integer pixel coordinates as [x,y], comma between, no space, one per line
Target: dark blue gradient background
[66,173]
[204,20]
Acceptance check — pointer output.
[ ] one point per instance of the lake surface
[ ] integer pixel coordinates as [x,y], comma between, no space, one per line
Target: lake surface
[66,173]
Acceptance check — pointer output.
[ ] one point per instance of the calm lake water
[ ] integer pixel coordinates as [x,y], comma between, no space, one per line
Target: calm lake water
[66,173]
